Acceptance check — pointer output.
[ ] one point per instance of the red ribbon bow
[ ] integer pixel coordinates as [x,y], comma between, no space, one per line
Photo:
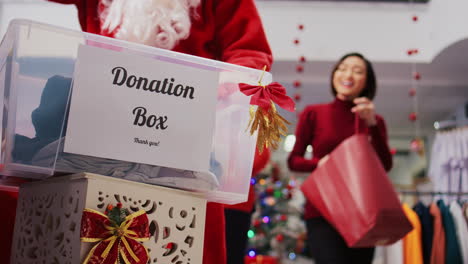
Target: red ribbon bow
[264,95]
[114,240]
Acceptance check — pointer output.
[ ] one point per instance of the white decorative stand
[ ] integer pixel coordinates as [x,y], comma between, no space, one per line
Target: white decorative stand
[48,219]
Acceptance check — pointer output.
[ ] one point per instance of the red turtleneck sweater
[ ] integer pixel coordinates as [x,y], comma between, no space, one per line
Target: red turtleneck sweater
[324,127]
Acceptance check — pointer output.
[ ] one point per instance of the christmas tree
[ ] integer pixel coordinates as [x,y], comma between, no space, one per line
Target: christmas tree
[277,227]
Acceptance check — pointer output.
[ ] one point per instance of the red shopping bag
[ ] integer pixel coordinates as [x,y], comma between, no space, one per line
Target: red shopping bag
[352,191]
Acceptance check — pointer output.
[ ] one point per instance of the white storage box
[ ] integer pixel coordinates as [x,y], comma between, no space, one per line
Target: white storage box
[48,218]
[77,102]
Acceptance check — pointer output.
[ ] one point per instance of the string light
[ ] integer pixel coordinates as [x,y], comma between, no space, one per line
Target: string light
[292,256]
[292,183]
[278,194]
[270,201]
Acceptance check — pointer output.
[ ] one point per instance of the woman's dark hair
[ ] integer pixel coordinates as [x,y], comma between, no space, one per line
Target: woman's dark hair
[370,87]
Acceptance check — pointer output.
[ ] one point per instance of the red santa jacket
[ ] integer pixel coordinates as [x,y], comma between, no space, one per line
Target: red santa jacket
[225,30]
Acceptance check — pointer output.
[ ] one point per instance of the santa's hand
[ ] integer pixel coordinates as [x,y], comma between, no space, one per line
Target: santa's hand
[366,110]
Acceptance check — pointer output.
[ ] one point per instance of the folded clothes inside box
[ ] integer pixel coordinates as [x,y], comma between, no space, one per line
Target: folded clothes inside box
[41,150]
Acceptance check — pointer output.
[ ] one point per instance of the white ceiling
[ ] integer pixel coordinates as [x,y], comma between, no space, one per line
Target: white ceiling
[443,87]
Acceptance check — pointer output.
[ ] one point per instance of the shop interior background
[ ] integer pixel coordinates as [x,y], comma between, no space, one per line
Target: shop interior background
[384,31]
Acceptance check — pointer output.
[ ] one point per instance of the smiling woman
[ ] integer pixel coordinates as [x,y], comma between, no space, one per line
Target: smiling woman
[349,79]
[324,127]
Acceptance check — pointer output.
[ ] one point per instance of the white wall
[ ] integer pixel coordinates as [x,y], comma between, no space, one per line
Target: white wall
[41,11]
[381,31]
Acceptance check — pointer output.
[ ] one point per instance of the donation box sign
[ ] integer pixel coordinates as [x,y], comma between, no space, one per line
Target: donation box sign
[141,109]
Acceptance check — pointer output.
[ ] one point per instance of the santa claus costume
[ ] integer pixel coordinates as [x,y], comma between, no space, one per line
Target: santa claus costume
[225,30]
[238,216]
[8,200]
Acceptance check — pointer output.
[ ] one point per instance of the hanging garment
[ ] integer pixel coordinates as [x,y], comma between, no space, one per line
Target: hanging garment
[452,249]
[439,150]
[412,246]
[438,242]
[465,212]
[392,254]
[461,229]
[448,168]
[427,229]
[463,141]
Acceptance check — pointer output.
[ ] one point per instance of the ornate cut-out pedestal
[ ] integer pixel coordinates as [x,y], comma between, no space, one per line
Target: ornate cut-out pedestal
[47,228]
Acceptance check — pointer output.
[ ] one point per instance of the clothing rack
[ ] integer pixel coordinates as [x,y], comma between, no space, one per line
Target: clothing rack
[450,124]
[407,192]
[459,196]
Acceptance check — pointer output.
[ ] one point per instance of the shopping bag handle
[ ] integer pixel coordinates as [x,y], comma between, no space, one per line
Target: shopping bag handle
[357,125]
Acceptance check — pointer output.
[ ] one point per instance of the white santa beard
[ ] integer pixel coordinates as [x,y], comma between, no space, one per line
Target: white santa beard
[158,23]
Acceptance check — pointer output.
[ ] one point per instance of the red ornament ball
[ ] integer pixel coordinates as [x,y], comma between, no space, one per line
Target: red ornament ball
[412,92]
[257,223]
[297,84]
[417,145]
[283,217]
[300,27]
[413,117]
[412,52]
[302,59]
[279,237]
[296,41]
[297,97]
[299,68]
[417,76]
[415,18]
[269,190]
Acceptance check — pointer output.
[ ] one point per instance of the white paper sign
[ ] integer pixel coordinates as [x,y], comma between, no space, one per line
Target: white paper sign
[138,109]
